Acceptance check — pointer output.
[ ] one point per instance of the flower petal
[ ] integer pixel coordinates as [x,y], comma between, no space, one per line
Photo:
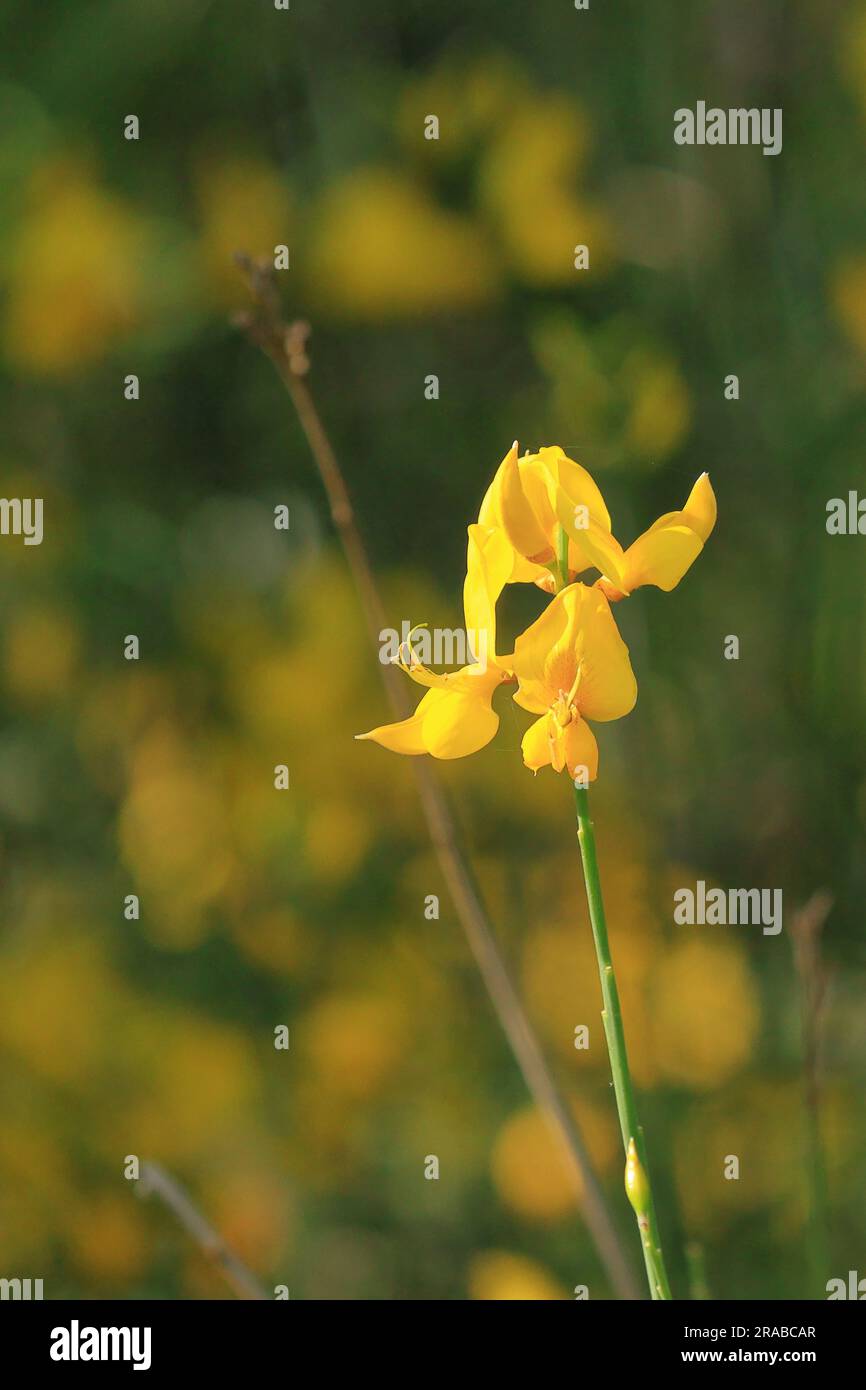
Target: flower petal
[536,743]
[661,557]
[664,553]
[545,744]
[456,724]
[607,689]
[576,485]
[403,737]
[577,630]
[700,510]
[489,559]
[581,749]
[505,506]
[453,719]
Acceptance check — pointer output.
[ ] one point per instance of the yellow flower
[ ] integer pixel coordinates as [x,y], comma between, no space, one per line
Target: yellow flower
[571,664]
[544,520]
[532,498]
[456,716]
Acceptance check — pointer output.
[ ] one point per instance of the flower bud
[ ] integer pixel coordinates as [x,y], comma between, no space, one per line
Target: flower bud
[636,1184]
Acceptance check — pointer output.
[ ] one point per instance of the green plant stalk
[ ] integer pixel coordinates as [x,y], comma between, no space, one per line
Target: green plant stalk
[562,558]
[612,1018]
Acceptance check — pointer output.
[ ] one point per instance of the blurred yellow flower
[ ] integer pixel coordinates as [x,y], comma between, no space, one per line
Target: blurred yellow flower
[528,187]
[385,249]
[38,1190]
[244,205]
[498,1275]
[108,1237]
[251,1208]
[848,296]
[705,1013]
[42,1019]
[75,271]
[758,1124]
[560,977]
[621,393]
[660,407]
[174,835]
[529,1166]
[482,91]
[274,938]
[337,837]
[41,646]
[355,1042]
[196,1082]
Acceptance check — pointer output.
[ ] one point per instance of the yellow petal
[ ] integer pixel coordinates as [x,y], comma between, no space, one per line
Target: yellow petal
[545,654]
[456,724]
[526,571]
[700,509]
[506,507]
[581,749]
[404,737]
[536,743]
[576,484]
[575,503]
[451,721]
[538,488]
[591,543]
[577,630]
[664,553]
[661,557]
[489,559]
[545,744]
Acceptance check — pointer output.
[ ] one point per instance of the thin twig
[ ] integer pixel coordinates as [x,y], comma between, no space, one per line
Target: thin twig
[155,1181]
[286,346]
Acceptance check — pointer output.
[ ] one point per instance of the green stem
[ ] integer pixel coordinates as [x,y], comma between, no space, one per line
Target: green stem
[612,1018]
[562,558]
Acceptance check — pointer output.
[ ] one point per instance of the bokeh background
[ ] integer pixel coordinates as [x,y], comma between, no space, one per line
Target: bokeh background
[409,257]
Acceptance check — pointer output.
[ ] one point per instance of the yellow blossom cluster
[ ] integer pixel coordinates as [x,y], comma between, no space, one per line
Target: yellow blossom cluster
[543,520]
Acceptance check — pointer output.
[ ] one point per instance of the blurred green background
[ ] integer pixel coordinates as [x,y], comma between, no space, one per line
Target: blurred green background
[412,257]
